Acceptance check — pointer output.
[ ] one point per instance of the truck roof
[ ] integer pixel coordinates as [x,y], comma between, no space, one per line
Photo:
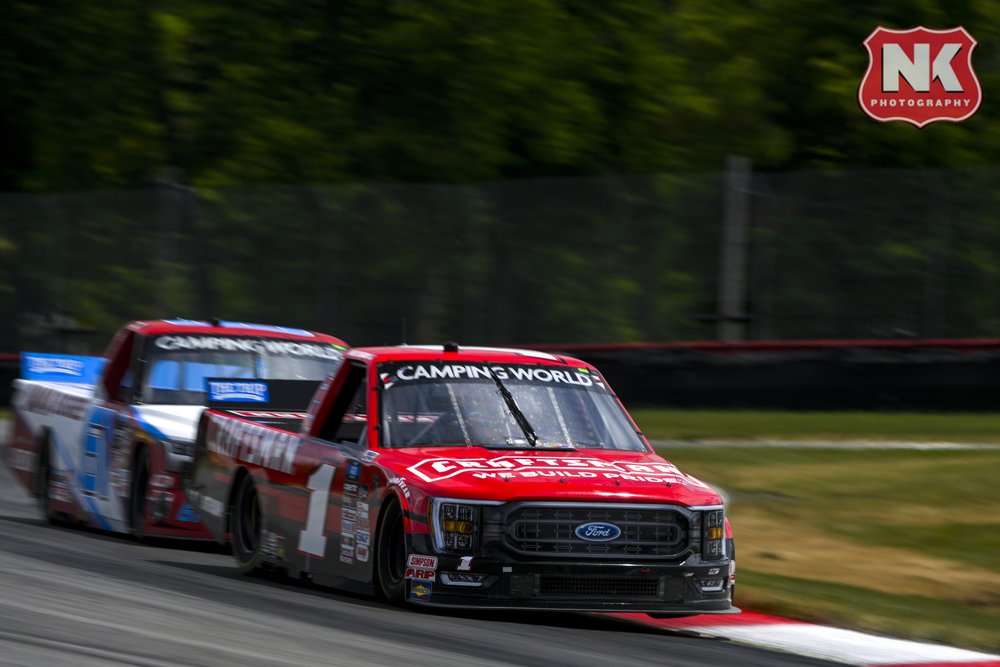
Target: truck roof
[463,353]
[227,328]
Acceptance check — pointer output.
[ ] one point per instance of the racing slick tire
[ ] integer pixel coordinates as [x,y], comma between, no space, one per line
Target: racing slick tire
[137,494]
[390,557]
[245,524]
[43,477]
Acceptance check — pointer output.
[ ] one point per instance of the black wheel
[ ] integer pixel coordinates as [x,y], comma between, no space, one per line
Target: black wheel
[245,523]
[390,557]
[43,481]
[137,495]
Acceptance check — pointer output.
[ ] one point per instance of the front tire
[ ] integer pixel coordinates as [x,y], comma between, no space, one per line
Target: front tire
[390,557]
[44,482]
[137,494]
[245,525]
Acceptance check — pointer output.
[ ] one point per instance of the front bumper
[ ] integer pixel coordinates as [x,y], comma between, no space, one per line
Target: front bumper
[691,587]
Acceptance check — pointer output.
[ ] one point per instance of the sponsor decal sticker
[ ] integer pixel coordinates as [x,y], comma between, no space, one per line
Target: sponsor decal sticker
[400,483]
[920,76]
[421,590]
[187,514]
[361,551]
[48,401]
[233,390]
[421,568]
[252,443]
[369,456]
[45,367]
[353,470]
[527,467]
[363,537]
[272,544]
[465,564]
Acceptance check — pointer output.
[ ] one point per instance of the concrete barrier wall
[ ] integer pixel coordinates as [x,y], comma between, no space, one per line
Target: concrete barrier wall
[946,375]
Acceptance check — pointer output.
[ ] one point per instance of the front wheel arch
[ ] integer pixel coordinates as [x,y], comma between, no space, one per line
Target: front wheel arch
[138,488]
[390,552]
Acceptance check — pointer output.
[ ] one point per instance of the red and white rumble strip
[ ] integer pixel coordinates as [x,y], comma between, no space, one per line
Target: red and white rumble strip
[819,641]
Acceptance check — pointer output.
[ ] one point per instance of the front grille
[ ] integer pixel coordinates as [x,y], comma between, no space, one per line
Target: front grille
[597,587]
[550,530]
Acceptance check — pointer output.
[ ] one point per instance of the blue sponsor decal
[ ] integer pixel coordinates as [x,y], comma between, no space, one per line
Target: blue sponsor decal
[187,514]
[267,327]
[188,323]
[598,531]
[353,470]
[237,391]
[61,368]
[421,590]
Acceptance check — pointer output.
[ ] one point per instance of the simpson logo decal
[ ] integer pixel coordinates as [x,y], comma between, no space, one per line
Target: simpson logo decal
[435,470]
[243,392]
[920,76]
[421,568]
[539,374]
[259,345]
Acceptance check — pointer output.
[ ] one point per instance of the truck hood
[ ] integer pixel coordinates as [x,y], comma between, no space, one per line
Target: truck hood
[174,422]
[546,474]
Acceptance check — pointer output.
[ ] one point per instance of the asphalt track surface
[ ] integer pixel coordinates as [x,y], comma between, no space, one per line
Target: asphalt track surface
[71,596]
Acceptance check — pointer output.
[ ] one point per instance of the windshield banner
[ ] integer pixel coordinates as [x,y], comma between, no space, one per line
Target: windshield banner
[258,345]
[581,377]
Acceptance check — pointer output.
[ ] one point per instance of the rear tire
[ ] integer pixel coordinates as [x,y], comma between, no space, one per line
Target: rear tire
[245,525]
[137,495]
[390,557]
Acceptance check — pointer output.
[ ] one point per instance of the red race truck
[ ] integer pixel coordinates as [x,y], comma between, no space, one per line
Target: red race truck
[104,440]
[471,477]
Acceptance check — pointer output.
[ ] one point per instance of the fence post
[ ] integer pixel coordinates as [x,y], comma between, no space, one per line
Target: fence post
[732,317]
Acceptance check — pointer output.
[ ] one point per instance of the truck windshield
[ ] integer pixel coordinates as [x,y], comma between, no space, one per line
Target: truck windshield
[427,404]
[178,365]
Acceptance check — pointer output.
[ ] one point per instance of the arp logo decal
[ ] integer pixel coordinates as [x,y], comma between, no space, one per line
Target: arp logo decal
[598,531]
[421,568]
[920,76]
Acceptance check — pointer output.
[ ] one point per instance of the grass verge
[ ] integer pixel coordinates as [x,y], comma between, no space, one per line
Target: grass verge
[761,425]
[895,541]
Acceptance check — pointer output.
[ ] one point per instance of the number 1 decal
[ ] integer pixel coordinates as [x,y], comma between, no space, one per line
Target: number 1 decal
[311,539]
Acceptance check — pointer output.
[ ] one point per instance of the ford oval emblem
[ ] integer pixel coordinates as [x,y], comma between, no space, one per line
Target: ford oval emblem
[598,532]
